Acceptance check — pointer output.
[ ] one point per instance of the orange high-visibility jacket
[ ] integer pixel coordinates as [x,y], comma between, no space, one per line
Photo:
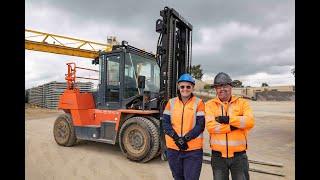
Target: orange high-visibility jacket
[221,137]
[183,119]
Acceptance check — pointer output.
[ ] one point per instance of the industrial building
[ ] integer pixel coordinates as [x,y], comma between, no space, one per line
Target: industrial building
[251,92]
[255,93]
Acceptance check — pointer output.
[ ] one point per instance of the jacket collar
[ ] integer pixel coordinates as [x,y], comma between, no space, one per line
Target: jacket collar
[233,98]
[180,99]
[179,96]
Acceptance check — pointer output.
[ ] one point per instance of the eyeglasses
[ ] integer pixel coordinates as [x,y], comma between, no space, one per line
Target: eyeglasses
[182,87]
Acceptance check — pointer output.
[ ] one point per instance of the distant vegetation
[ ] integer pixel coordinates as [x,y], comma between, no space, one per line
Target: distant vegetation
[196,72]
[207,86]
[237,83]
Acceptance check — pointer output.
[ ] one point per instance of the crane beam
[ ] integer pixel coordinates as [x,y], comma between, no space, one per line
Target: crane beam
[63,45]
[58,49]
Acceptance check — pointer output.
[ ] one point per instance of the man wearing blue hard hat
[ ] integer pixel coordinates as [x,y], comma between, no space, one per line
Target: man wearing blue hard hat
[183,124]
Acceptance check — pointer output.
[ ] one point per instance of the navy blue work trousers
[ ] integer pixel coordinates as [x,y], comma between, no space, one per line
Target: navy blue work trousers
[185,165]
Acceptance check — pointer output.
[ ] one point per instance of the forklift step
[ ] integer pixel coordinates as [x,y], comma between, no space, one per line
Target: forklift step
[108,131]
[87,132]
[104,141]
[105,133]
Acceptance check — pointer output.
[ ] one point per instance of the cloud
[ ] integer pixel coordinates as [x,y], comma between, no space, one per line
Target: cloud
[278,30]
[241,49]
[282,58]
[213,39]
[271,79]
[243,38]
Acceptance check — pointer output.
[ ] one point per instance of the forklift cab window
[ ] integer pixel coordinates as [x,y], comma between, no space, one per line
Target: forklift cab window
[113,78]
[130,83]
[135,66]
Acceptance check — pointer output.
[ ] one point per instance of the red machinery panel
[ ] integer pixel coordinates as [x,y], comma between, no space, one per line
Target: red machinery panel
[73,99]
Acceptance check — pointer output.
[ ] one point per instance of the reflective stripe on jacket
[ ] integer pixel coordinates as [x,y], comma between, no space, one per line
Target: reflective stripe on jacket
[221,137]
[183,118]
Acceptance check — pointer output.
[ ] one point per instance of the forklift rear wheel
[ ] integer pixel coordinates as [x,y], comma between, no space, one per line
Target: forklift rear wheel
[63,130]
[139,139]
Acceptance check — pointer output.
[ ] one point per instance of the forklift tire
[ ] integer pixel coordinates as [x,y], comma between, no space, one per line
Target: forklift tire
[157,123]
[63,130]
[139,139]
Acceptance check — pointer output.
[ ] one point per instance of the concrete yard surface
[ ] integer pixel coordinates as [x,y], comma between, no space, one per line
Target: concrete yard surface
[271,140]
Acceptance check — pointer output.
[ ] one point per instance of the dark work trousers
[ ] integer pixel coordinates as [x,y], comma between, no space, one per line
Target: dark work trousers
[238,165]
[185,165]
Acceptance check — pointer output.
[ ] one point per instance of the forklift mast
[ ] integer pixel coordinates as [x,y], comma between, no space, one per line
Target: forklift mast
[173,51]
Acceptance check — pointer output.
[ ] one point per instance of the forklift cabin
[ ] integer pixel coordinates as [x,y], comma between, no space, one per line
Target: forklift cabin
[127,74]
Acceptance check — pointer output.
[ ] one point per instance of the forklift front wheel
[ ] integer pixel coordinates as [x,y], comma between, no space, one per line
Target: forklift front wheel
[139,139]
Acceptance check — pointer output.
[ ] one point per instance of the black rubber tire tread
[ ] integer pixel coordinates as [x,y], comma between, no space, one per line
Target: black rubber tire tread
[155,144]
[152,133]
[157,123]
[72,137]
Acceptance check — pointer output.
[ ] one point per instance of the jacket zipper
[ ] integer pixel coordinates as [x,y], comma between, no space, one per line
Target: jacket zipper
[182,114]
[227,144]
[226,133]
[182,120]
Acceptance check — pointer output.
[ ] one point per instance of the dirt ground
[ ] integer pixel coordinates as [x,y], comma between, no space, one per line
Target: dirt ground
[271,140]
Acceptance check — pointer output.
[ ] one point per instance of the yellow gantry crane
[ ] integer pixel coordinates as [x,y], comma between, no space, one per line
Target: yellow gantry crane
[52,43]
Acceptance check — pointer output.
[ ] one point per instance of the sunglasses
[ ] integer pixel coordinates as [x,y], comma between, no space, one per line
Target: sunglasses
[182,87]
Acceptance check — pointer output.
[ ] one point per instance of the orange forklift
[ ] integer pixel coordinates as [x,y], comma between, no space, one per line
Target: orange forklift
[133,88]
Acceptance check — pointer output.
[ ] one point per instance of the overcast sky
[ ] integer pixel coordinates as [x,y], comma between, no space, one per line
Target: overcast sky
[253,41]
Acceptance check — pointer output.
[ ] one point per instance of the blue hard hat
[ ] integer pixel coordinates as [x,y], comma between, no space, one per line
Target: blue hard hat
[186,78]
